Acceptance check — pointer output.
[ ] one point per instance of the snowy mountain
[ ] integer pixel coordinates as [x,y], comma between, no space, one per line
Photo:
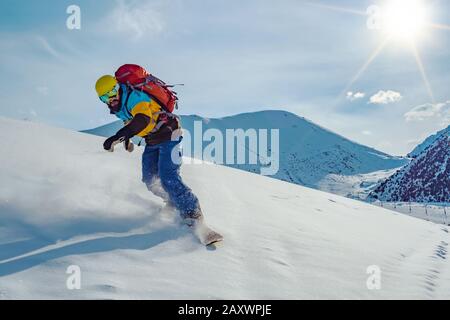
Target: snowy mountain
[67,205]
[429,141]
[425,179]
[309,154]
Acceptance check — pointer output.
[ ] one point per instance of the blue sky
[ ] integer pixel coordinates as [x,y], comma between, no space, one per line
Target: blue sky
[233,56]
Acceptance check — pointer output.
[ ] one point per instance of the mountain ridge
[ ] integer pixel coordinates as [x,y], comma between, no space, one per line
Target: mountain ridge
[428,141]
[425,179]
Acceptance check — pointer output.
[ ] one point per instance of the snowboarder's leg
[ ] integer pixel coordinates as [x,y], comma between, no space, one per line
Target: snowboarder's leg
[169,171]
[150,174]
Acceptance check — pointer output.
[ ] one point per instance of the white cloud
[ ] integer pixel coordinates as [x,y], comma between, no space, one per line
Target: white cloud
[367,132]
[137,19]
[427,111]
[47,47]
[385,97]
[42,90]
[352,96]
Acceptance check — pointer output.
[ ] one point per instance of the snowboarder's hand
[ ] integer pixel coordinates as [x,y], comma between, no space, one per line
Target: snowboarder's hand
[109,143]
[129,146]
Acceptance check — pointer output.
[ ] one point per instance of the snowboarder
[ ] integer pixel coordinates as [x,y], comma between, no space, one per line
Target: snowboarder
[161,160]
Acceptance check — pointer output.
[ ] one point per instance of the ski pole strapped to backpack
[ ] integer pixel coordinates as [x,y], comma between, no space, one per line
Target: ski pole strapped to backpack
[138,78]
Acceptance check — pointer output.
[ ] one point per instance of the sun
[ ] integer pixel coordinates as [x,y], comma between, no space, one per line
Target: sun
[404,19]
[400,20]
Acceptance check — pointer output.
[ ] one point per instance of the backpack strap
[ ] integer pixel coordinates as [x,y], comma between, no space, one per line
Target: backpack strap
[161,115]
[129,91]
[164,120]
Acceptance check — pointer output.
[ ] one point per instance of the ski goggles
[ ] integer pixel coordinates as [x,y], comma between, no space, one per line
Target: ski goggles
[109,95]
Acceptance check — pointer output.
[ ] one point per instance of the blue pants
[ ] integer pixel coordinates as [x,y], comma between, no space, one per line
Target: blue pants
[161,168]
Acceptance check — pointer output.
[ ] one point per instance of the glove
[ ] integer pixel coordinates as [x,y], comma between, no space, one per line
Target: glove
[129,146]
[109,143]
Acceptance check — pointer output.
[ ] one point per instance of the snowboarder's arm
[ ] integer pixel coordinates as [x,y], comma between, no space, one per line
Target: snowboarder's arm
[129,146]
[139,123]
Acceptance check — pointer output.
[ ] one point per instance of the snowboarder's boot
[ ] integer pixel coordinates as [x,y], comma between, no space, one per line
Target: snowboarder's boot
[192,219]
[196,222]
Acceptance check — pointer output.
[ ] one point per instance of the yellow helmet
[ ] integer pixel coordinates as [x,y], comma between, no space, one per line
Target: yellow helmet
[105,84]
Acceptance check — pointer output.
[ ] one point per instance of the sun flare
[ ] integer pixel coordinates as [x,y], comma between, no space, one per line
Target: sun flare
[400,21]
[404,19]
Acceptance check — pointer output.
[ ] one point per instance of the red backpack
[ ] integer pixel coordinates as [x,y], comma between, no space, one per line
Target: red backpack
[138,78]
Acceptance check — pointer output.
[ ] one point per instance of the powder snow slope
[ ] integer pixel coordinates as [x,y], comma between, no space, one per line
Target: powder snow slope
[309,154]
[64,201]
